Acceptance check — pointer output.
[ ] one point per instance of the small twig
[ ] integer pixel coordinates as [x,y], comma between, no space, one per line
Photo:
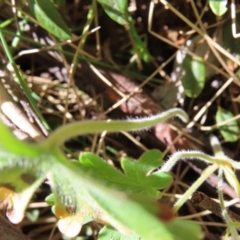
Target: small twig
[207,203]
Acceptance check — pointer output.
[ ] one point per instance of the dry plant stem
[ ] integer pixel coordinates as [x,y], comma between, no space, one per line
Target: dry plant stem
[211,43]
[217,55]
[74,63]
[106,81]
[139,87]
[151,8]
[57,45]
[135,141]
[209,128]
[199,20]
[207,203]
[209,103]
[208,39]
[202,111]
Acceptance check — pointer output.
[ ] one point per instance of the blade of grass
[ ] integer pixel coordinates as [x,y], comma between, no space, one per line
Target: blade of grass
[25,87]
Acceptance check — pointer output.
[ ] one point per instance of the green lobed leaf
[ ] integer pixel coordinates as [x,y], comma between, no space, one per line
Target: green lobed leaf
[218,6]
[150,160]
[136,179]
[115,9]
[77,193]
[193,80]
[138,173]
[49,18]
[102,171]
[230,131]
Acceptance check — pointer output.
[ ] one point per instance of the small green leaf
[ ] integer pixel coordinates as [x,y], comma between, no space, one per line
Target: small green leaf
[230,131]
[218,6]
[108,232]
[193,80]
[33,215]
[115,9]
[49,18]
[50,199]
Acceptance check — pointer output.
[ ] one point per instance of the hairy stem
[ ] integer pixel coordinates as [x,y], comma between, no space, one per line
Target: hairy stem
[58,137]
[191,155]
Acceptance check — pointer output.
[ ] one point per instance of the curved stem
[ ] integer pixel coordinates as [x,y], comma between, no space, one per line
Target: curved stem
[191,155]
[59,136]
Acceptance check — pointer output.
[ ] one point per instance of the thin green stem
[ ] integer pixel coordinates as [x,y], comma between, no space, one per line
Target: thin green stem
[225,215]
[6,23]
[25,87]
[232,178]
[58,137]
[86,28]
[205,174]
[216,146]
